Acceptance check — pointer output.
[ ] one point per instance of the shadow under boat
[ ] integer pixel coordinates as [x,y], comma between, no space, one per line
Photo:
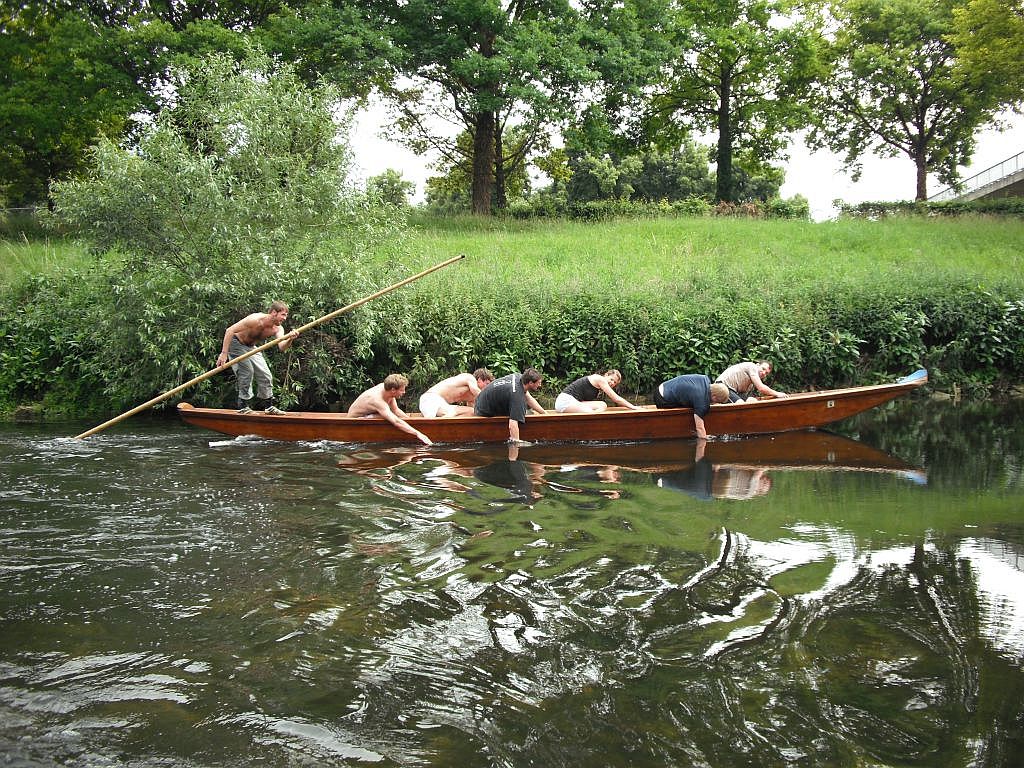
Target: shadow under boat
[735,468]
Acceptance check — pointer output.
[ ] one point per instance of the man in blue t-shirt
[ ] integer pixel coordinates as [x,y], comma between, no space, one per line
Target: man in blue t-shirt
[691,390]
[509,396]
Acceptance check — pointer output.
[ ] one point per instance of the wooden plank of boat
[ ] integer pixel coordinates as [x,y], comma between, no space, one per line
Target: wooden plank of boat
[804,410]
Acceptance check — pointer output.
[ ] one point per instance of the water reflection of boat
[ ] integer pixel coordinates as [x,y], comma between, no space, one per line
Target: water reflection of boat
[735,469]
[801,410]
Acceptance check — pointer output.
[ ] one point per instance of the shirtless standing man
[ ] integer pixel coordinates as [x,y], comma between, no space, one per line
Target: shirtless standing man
[382,400]
[442,398]
[249,332]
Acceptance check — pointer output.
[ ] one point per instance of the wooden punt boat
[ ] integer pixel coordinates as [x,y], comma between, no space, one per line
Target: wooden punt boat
[804,410]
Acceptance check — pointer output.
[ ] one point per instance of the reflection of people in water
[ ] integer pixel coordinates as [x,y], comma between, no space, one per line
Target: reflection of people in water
[704,480]
[518,476]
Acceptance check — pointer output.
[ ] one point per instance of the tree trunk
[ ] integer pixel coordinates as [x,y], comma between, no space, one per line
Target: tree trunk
[922,178]
[723,180]
[500,194]
[483,163]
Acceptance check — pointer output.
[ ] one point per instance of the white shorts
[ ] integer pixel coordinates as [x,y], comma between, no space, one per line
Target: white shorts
[563,401]
[433,406]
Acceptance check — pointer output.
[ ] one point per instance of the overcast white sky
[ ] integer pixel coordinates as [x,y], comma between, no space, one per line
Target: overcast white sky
[817,176]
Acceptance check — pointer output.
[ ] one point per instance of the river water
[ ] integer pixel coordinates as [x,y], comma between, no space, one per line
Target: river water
[169,597]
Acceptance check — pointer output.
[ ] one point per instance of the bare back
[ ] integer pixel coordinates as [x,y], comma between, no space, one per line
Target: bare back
[456,389]
[370,403]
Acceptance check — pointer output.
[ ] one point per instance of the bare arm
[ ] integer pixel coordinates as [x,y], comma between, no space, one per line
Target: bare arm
[398,411]
[288,338]
[388,414]
[228,335]
[698,424]
[763,388]
[513,431]
[534,405]
[605,387]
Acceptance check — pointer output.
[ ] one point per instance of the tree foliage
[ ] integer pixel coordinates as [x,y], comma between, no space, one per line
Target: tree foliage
[340,41]
[75,72]
[484,68]
[390,188]
[651,175]
[740,71]
[988,36]
[244,166]
[895,88]
[64,81]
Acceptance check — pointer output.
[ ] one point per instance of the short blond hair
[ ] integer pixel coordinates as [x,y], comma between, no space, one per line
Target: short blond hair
[719,393]
[395,381]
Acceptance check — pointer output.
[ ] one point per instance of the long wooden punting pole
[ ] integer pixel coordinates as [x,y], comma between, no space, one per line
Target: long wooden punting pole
[268,345]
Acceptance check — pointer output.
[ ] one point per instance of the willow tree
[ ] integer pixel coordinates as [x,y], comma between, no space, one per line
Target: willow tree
[239,193]
[894,88]
[742,69]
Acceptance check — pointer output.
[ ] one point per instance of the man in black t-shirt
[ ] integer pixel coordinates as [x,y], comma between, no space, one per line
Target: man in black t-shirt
[510,396]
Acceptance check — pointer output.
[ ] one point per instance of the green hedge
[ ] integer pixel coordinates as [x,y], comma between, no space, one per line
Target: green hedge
[546,206]
[1004,206]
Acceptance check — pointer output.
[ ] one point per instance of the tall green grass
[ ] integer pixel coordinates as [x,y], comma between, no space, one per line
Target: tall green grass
[733,257]
[671,257]
[21,259]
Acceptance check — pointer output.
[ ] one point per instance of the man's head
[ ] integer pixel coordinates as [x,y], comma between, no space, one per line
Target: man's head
[719,393]
[279,310]
[764,368]
[532,379]
[483,377]
[396,383]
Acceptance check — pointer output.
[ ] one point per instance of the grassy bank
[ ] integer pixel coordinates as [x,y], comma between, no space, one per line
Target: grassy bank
[831,304]
[673,257]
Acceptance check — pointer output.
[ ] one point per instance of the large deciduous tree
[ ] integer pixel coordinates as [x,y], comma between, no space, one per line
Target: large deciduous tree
[484,66]
[741,70]
[71,72]
[65,79]
[894,88]
[989,39]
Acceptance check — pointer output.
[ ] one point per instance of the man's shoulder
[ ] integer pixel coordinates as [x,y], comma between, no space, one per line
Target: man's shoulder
[459,379]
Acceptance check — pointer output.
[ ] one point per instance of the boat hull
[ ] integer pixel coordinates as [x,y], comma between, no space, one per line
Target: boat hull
[805,410]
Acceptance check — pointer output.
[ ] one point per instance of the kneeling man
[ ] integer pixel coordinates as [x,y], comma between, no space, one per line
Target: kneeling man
[442,399]
[382,400]
[691,390]
[509,396]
